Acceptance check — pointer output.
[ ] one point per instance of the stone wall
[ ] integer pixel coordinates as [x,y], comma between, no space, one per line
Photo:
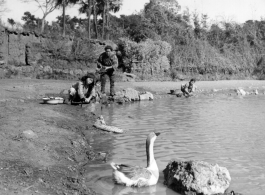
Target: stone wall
[27,54]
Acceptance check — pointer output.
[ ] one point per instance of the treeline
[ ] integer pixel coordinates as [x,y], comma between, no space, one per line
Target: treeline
[207,51]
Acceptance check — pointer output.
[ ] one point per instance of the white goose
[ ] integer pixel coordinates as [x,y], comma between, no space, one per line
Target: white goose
[138,176]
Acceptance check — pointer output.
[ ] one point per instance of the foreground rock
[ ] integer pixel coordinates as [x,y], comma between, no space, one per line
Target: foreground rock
[196,177]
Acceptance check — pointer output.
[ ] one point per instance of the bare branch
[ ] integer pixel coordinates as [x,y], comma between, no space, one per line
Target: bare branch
[46,6]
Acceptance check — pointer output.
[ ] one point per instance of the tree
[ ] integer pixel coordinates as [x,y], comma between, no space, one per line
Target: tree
[95,18]
[31,22]
[87,9]
[11,22]
[64,4]
[46,6]
[104,8]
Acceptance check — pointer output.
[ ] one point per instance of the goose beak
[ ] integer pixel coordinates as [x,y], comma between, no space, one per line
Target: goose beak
[157,134]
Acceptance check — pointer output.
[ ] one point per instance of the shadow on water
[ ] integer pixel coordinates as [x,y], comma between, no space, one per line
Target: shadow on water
[228,131]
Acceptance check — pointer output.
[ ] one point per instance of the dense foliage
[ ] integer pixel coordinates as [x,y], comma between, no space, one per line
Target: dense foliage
[192,45]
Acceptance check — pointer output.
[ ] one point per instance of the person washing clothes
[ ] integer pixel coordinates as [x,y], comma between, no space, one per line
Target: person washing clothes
[84,90]
[107,64]
[188,88]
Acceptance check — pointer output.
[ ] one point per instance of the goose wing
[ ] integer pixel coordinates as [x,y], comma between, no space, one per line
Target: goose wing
[134,172]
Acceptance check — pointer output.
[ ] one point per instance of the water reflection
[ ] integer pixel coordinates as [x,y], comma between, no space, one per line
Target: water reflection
[228,131]
[122,190]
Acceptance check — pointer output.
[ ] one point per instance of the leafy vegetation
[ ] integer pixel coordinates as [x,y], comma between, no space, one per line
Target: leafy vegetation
[193,46]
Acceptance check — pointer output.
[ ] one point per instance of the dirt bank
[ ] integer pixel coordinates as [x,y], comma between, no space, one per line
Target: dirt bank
[44,149]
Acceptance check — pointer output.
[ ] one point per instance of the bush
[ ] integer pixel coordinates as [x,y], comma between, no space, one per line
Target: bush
[145,59]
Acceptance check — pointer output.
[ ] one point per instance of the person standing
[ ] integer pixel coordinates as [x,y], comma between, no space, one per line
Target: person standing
[107,64]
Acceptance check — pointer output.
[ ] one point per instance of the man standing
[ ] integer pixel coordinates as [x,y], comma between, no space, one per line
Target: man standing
[107,63]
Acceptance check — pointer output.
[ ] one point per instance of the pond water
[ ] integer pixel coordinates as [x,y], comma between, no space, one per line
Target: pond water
[226,130]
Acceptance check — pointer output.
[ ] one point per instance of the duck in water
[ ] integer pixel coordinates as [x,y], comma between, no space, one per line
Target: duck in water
[136,176]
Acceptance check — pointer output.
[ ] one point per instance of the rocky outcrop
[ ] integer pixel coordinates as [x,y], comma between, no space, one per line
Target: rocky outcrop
[199,177]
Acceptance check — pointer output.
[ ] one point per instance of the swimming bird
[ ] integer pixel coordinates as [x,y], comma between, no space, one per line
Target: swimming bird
[137,176]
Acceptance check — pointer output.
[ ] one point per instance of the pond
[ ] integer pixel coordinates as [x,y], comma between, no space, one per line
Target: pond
[226,130]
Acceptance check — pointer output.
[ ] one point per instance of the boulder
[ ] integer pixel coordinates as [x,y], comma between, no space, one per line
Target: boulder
[240,92]
[146,96]
[131,94]
[196,177]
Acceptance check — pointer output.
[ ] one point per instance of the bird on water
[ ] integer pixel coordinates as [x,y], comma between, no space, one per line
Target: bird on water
[137,176]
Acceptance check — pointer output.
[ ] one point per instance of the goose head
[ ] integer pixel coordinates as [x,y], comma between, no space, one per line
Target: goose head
[150,147]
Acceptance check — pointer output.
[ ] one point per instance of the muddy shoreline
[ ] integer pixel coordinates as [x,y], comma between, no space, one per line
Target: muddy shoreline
[53,159]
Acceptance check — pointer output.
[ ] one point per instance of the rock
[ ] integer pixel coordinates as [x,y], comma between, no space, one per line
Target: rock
[240,92]
[131,94]
[256,92]
[119,100]
[196,176]
[146,96]
[29,134]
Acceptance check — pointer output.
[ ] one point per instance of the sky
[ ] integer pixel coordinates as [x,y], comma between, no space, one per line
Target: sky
[217,10]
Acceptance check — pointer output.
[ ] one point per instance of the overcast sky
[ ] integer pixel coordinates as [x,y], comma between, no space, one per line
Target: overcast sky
[229,10]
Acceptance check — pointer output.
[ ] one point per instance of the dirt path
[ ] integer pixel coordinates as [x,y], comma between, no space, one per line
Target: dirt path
[44,148]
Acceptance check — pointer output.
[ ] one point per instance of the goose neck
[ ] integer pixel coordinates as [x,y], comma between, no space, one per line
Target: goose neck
[150,152]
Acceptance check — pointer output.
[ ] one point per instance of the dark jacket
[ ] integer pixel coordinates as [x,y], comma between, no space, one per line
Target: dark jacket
[107,61]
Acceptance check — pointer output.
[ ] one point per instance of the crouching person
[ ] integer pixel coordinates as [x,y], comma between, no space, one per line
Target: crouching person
[188,88]
[84,90]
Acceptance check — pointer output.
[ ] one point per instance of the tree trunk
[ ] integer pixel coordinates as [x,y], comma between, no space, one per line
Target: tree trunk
[42,24]
[89,21]
[63,18]
[107,19]
[95,18]
[104,19]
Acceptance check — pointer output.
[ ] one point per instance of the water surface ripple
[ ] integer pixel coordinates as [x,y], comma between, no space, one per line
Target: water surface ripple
[228,131]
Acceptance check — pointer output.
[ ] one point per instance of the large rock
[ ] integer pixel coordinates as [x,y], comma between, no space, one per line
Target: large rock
[146,96]
[131,94]
[196,176]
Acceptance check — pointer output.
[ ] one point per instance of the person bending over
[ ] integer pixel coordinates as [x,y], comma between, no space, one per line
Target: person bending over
[188,88]
[84,90]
